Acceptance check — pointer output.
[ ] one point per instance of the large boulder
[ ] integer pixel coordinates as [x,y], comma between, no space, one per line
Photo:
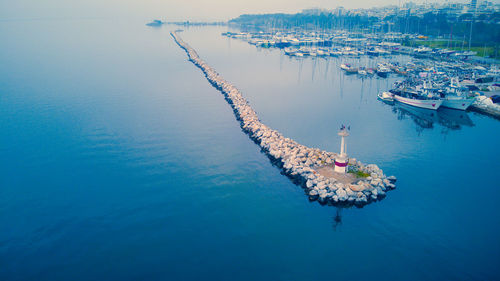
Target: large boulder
[349,192]
[342,194]
[380,192]
[361,199]
[321,185]
[309,184]
[357,187]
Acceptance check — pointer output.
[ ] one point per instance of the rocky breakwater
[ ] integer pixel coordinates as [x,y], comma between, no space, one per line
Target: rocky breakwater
[297,161]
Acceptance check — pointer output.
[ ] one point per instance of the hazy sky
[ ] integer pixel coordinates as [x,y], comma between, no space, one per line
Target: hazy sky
[172,9]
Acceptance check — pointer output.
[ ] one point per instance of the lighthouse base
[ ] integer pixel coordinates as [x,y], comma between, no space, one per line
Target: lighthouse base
[341,164]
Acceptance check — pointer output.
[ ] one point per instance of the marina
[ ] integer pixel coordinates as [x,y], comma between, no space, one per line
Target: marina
[341,43]
[451,77]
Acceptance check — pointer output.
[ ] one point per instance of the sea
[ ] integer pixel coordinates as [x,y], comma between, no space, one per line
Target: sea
[119,161]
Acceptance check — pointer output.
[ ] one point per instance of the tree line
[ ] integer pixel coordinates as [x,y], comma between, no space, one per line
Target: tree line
[437,25]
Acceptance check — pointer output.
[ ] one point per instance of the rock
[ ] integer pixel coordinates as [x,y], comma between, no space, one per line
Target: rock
[321,185]
[332,186]
[357,187]
[379,191]
[349,192]
[342,194]
[361,199]
[309,184]
[391,186]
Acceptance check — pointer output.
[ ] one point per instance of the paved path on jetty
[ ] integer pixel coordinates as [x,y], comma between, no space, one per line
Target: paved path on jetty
[296,160]
[329,172]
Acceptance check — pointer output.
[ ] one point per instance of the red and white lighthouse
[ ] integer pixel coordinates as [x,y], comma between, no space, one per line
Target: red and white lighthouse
[342,160]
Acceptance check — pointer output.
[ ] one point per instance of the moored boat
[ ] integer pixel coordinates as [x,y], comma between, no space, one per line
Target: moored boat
[335,53]
[455,95]
[348,68]
[456,102]
[383,70]
[386,96]
[418,100]
[362,72]
[345,66]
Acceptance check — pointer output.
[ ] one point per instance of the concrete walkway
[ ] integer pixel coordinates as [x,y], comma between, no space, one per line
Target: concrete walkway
[329,172]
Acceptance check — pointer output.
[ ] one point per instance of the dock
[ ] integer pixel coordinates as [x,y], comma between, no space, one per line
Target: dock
[486,106]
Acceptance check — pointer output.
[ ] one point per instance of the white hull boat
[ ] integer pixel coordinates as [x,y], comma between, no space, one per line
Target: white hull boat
[348,69]
[383,72]
[459,103]
[386,96]
[345,66]
[422,103]
[290,51]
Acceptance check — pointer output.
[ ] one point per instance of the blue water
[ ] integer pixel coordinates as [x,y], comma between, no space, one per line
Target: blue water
[119,161]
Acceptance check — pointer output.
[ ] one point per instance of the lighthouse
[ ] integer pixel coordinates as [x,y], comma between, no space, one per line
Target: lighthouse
[341,160]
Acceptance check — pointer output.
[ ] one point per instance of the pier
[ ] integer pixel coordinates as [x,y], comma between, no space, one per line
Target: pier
[312,168]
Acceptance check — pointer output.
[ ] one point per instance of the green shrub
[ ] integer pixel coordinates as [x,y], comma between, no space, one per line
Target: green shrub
[360,174]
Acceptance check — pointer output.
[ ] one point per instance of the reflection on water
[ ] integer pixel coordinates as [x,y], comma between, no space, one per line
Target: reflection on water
[337,219]
[454,119]
[449,119]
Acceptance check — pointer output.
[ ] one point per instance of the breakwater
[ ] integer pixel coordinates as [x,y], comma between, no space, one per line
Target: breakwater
[305,165]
